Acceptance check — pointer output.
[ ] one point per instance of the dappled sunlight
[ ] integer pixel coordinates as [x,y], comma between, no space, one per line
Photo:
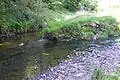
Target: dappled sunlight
[78,13]
[105,8]
[109,7]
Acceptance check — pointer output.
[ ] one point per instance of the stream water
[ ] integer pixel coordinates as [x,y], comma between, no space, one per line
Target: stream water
[33,56]
[25,56]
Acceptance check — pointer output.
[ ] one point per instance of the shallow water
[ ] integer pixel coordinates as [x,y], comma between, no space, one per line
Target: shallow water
[82,65]
[26,56]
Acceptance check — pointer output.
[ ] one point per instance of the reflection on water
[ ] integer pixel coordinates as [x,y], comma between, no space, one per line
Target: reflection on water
[33,57]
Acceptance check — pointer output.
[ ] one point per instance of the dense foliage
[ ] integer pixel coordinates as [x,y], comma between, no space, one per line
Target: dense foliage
[22,15]
[34,15]
[72,5]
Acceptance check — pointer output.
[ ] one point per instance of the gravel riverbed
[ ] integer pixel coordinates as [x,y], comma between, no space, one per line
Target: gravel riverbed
[83,63]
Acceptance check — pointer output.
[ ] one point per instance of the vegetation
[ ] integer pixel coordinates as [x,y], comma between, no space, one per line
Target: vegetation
[22,16]
[72,5]
[33,15]
[84,27]
[99,74]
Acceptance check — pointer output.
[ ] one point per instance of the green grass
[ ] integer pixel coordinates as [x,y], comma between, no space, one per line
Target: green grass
[99,74]
[75,27]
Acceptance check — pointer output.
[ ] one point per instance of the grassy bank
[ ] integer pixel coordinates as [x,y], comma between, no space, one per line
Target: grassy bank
[84,27]
[29,16]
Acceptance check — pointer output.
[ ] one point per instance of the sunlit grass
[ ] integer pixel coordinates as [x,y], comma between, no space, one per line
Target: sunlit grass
[75,26]
[109,7]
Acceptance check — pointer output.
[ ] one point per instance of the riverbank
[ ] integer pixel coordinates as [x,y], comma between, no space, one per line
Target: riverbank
[79,27]
[83,64]
[83,27]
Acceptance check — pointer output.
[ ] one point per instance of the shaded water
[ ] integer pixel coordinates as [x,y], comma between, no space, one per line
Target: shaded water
[18,62]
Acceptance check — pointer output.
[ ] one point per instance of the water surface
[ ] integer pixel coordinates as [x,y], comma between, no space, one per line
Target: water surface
[20,61]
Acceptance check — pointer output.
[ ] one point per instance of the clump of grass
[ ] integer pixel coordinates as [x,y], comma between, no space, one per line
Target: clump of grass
[99,74]
[79,27]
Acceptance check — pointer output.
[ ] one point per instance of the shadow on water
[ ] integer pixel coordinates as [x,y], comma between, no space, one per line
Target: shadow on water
[18,62]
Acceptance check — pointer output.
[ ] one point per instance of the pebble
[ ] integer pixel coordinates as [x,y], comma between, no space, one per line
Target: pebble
[81,67]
